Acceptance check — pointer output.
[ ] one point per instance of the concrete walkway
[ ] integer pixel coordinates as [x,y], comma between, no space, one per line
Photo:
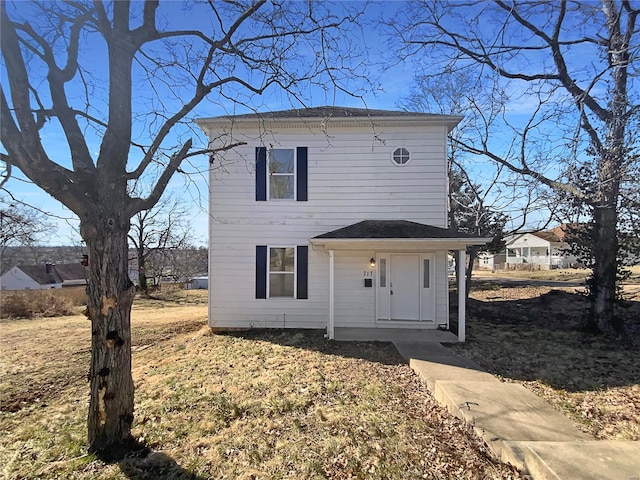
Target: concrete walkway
[517,425]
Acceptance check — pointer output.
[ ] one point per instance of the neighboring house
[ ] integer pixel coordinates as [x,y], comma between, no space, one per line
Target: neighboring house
[197,283]
[491,261]
[544,250]
[38,277]
[331,218]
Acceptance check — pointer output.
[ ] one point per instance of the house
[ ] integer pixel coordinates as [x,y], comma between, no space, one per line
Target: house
[45,276]
[197,283]
[540,250]
[331,218]
[491,261]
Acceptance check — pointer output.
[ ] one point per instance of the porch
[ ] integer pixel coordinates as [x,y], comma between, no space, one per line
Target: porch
[407,278]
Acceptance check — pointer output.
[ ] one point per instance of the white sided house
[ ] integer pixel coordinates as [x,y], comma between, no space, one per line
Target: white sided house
[45,276]
[540,250]
[331,218]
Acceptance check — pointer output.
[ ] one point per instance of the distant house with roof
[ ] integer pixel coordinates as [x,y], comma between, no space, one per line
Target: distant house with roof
[540,250]
[491,261]
[45,276]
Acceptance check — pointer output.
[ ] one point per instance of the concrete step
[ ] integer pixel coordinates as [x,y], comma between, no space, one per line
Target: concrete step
[590,460]
[434,363]
[517,425]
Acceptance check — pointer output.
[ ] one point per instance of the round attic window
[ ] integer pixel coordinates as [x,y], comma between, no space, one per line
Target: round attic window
[401,156]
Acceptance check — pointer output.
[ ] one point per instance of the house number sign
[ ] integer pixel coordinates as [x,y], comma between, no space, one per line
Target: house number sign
[367,273]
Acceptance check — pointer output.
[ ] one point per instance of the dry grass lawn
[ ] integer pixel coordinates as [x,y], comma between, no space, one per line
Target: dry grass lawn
[534,336]
[558,275]
[258,405]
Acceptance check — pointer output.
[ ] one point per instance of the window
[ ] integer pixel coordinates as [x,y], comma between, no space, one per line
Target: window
[282,272]
[281,174]
[383,272]
[426,273]
[401,156]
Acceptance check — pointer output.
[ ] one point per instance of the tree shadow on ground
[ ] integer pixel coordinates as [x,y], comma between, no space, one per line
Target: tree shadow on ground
[380,352]
[155,465]
[539,338]
[137,461]
[544,338]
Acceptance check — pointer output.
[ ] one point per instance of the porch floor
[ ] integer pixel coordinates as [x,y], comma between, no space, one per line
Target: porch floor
[394,335]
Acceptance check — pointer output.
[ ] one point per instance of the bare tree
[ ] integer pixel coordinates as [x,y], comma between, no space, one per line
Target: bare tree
[161,228]
[123,81]
[179,265]
[570,72]
[471,212]
[485,197]
[20,226]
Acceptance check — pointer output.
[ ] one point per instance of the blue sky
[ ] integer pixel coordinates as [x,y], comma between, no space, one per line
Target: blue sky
[394,85]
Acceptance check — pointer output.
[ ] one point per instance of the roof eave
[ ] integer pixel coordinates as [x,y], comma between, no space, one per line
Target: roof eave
[449,121]
[454,243]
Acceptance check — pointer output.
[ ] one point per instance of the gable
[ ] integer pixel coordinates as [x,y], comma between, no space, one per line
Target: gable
[16,279]
[528,240]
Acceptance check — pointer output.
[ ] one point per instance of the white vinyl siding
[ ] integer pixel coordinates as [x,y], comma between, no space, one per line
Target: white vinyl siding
[355,303]
[350,179]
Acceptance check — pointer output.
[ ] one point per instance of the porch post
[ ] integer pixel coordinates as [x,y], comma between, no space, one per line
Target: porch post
[332,283]
[462,293]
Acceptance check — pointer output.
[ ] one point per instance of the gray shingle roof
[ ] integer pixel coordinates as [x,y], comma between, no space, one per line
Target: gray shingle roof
[336,112]
[391,229]
[55,274]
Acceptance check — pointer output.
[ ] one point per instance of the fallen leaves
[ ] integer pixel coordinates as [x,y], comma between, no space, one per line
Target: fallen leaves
[533,335]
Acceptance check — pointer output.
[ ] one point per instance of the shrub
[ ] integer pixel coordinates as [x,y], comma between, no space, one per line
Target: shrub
[35,303]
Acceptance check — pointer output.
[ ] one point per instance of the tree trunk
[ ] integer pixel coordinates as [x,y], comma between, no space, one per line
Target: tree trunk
[142,270]
[603,282]
[473,254]
[110,295]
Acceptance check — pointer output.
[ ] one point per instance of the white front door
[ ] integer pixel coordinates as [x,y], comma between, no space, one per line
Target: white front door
[404,283]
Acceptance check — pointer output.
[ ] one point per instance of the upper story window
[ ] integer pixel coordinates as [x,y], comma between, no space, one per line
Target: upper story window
[281,173]
[401,156]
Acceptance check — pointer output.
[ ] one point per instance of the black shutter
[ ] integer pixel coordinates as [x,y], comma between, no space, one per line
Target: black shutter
[301,174]
[302,273]
[261,271]
[261,174]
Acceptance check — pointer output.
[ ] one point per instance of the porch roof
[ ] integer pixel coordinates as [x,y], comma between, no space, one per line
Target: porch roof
[404,233]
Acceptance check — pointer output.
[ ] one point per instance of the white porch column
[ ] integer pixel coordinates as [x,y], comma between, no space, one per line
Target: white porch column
[332,287]
[462,294]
